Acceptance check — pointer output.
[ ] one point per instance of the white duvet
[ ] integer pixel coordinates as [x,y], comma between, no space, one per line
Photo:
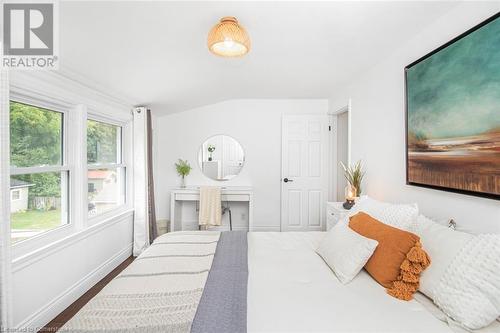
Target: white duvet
[291,289]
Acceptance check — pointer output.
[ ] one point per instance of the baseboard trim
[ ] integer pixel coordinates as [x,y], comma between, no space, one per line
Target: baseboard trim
[49,311]
[265,228]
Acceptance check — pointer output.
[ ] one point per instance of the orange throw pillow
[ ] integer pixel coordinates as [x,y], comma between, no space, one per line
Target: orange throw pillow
[398,259]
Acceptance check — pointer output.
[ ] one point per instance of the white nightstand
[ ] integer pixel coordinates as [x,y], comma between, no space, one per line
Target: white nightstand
[334,213]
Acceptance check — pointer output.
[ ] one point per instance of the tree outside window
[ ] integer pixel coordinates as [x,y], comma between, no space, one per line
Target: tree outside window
[38,174]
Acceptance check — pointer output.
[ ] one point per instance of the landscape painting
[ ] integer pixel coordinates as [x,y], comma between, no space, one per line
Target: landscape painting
[453,114]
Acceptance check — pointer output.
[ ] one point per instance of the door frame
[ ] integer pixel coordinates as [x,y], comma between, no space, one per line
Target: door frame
[332,151]
[327,176]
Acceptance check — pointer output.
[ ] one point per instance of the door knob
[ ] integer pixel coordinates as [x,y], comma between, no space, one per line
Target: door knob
[286,180]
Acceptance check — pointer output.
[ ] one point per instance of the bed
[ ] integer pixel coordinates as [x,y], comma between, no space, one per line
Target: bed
[291,289]
[200,282]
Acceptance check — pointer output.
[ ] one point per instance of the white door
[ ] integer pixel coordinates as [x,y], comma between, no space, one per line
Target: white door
[304,174]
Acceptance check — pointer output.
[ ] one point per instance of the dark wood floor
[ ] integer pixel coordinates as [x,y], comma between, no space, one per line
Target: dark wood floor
[71,310]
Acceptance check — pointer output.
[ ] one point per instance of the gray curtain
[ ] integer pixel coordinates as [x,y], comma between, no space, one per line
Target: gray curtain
[153,228]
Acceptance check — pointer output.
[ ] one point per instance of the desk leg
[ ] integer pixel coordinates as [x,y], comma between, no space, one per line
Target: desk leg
[172,212]
[250,214]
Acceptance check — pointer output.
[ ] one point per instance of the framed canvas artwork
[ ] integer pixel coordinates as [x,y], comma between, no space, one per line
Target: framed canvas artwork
[453,114]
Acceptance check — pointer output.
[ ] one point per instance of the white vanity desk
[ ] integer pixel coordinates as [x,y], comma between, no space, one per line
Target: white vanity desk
[228,194]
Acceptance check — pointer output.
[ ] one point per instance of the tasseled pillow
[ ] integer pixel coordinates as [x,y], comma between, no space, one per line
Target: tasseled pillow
[407,282]
[398,259]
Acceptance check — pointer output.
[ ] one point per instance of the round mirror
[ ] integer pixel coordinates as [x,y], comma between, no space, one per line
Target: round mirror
[221,157]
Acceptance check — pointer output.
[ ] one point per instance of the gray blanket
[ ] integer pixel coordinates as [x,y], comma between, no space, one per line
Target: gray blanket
[223,304]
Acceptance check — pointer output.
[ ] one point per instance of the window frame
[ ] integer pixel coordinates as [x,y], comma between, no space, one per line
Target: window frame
[93,115]
[64,169]
[76,105]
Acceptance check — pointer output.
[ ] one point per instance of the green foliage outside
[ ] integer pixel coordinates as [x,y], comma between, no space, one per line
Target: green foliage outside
[101,142]
[34,219]
[35,140]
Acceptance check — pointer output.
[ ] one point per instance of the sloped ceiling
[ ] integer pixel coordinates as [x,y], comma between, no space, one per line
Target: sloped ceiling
[154,53]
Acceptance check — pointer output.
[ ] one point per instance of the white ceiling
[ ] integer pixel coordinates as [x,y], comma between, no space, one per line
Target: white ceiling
[155,54]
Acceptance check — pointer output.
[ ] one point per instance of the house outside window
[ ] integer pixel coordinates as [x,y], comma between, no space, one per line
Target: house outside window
[19,195]
[106,172]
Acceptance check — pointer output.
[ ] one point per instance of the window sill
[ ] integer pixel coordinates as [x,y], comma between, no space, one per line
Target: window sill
[41,240]
[104,222]
[107,216]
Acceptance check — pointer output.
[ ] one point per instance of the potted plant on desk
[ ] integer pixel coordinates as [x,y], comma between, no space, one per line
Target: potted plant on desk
[183,169]
[211,149]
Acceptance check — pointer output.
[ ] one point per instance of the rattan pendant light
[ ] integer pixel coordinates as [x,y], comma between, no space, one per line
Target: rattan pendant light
[228,39]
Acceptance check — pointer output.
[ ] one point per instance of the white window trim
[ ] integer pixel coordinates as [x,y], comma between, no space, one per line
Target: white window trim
[59,92]
[41,169]
[106,166]
[125,206]
[97,116]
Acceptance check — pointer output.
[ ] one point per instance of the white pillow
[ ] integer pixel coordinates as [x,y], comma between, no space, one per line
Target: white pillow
[400,216]
[442,244]
[463,278]
[345,251]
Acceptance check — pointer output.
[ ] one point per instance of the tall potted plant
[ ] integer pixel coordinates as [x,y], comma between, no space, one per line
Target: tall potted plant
[183,169]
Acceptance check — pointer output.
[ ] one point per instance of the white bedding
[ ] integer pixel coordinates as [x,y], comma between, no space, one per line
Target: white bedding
[291,289]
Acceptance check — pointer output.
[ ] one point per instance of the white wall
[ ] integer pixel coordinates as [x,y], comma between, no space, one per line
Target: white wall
[378,126]
[256,124]
[47,282]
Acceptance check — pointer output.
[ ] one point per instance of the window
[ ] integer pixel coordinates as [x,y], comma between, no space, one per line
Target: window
[106,172]
[39,178]
[15,195]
